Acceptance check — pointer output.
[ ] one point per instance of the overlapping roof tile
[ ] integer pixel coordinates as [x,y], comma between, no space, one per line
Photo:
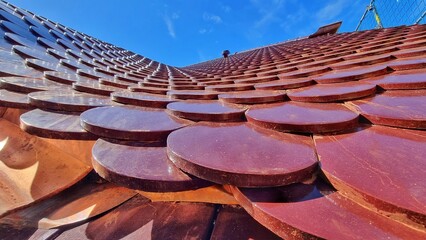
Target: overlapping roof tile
[317,137]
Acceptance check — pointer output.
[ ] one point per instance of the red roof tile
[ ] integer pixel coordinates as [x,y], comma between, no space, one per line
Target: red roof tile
[316,137]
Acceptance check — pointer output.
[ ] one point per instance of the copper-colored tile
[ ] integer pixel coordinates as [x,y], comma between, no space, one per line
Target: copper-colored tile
[303,117]
[253,97]
[54,125]
[239,154]
[215,111]
[69,101]
[390,160]
[234,223]
[139,219]
[401,108]
[141,99]
[352,74]
[29,85]
[332,92]
[315,210]
[14,99]
[131,123]
[411,79]
[147,168]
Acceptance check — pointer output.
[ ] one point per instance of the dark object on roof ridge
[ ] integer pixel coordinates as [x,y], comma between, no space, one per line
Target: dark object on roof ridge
[327,29]
[225,53]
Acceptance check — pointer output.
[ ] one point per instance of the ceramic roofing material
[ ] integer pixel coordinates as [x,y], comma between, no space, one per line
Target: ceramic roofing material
[326,137]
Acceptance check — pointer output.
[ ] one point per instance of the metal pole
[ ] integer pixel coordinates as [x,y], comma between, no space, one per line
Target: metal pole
[420,18]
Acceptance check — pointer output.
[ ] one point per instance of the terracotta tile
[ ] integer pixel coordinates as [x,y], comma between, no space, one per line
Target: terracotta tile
[68,101]
[412,79]
[234,223]
[14,100]
[260,157]
[131,123]
[399,108]
[352,74]
[94,87]
[28,85]
[284,84]
[54,125]
[215,111]
[138,219]
[303,117]
[141,99]
[253,97]
[389,159]
[332,92]
[147,168]
[315,210]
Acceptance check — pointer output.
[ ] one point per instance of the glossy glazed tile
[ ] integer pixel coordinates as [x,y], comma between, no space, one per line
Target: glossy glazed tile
[241,154]
[315,210]
[405,109]
[253,97]
[214,111]
[131,123]
[390,159]
[54,125]
[413,79]
[303,117]
[147,168]
[67,101]
[332,92]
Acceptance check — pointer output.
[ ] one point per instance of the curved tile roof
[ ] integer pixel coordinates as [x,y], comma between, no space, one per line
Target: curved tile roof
[316,137]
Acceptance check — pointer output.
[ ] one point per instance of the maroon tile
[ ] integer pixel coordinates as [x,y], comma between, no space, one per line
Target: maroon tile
[153,90]
[303,73]
[234,222]
[26,52]
[400,108]
[69,101]
[315,210]
[332,92]
[28,85]
[14,100]
[147,168]
[242,155]
[352,74]
[408,64]
[230,87]
[94,87]
[214,111]
[131,123]
[253,97]
[193,94]
[141,219]
[62,77]
[285,84]
[54,125]
[303,117]
[390,160]
[17,69]
[412,79]
[372,60]
[141,99]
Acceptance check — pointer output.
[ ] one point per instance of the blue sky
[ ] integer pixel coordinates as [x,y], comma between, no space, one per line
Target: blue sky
[183,32]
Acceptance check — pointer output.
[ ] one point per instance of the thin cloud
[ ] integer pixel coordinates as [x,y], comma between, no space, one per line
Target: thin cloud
[268,13]
[225,8]
[212,18]
[169,24]
[331,10]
